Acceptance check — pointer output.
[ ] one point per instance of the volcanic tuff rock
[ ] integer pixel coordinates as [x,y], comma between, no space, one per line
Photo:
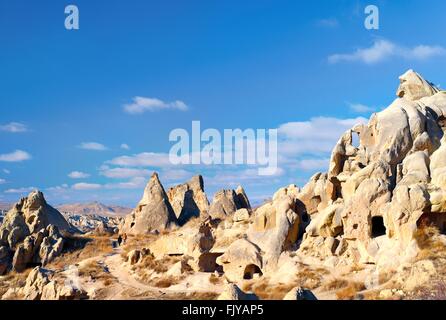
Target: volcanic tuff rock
[86,223]
[40,286]
[375,195]
[189,200]
[30,233]
[153,213]
[227,202]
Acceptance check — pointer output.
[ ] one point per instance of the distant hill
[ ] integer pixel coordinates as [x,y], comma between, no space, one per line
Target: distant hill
[5,206]
[96,208]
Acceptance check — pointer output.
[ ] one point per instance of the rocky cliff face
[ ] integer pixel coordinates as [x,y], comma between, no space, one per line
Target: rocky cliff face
[153,213]
[375,195]
[188,200]
[30,233]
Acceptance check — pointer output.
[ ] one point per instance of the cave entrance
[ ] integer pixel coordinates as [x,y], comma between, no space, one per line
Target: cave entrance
[252,271]
[378,227]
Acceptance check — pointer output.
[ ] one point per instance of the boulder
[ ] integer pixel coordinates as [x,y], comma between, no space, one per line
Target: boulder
[227,202]
[242,260]
[241,215]
[299,293]
[233,292]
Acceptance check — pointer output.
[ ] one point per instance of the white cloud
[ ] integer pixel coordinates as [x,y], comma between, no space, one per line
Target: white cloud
[145,159]
[6,171]
[14,127]
[15,156]
[125,146]
[61,188]
[176,175]
[318,129]
[142,104]
[92,146]
[86,186]
[328,23]
[384,49]
[2,181]
[134,183]
[21,190]
[78,175]
[313,164]
[121,173]
[361,108]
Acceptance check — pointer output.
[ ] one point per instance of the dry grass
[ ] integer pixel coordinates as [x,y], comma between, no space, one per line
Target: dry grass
[167,281]
[335,284]
[350,292]
[78,248]
[96,272]
[12,280]
[306,278]
[432,248]
[137,242]
[215,279]
[267,291]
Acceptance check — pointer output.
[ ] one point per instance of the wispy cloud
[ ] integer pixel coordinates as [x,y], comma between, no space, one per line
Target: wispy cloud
[142,104]
[145,159]
[95,146]
[86,186]
[384,49]
[361,108]
[125,146]
[122,173]
[2,181]
[313,164]
[14,127]
[16,156]
[328,23]
[20,190]
[78,175]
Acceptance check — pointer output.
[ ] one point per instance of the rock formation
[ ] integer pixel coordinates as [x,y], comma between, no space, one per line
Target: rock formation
[30,234]
[375,195]
[227,202]
[189,200]
[154,212]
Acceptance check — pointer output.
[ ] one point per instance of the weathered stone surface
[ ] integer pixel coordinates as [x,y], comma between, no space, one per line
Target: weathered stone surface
[299,293]
[241,215]
[414,87]
[275,229]
[153,213]
[189,200]
[386,187]
[242,260]
[233,292]
[28,234]
[227,202]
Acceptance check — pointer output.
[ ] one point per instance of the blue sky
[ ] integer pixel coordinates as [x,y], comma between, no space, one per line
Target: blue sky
[309,68]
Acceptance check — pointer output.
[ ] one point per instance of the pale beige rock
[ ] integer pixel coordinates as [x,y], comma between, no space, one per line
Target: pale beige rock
[233,292]
[299,293]
[275,229]
[241,215]
[153,213]
[414,87]
[189,200]
[227,202]
[241,261]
